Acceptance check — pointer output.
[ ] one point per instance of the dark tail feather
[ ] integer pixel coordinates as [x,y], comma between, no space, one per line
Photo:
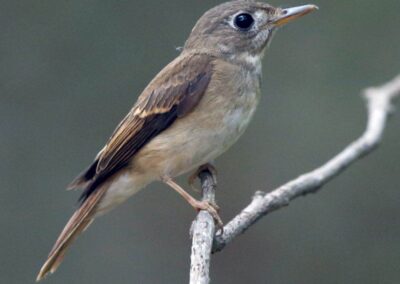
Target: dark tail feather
[84,178]
[81,219]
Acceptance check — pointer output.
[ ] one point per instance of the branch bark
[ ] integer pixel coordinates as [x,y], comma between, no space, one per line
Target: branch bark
[203,231]
[379,105]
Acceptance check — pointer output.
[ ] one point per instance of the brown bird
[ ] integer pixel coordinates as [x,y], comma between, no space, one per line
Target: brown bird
[189,114]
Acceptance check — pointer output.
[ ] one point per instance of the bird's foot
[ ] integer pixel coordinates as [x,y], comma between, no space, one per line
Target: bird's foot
[211,208]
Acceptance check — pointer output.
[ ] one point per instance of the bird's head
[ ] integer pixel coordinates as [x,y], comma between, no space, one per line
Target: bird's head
[240,28]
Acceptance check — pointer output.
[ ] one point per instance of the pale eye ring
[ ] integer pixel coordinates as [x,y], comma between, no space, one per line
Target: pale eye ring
[243,21]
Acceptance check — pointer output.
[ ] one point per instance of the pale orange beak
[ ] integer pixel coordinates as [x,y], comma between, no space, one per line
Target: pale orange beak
[290,14]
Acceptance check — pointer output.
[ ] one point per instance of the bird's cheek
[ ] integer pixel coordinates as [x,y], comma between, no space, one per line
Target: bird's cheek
[262,39]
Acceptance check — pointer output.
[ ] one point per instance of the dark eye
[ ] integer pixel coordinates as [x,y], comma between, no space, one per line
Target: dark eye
[243,21]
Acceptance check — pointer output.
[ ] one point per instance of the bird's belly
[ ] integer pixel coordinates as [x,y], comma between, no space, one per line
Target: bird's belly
[197,138]
[216,141]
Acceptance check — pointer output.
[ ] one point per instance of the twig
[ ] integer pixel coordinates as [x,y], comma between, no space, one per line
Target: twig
[379,106]
[203,230]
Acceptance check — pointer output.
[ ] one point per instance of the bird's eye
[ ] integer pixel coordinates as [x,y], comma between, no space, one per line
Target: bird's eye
[243,21]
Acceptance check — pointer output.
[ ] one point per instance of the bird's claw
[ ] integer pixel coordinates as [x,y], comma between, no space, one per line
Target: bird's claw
[213,209]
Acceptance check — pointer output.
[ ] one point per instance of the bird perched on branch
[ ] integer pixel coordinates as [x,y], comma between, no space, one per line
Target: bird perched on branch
[189,114]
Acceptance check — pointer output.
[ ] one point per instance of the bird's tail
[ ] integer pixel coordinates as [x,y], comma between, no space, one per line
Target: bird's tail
[81,219]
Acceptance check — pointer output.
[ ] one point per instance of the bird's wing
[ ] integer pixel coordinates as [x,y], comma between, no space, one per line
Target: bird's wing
[173,93]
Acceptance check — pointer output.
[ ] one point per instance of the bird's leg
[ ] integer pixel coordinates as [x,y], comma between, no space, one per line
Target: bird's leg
[196,204]
[210,167]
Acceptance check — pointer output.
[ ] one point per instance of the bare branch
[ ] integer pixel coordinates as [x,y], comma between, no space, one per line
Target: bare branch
[203,230]
[379,106]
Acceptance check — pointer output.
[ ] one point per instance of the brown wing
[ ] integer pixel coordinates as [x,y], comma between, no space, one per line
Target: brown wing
[174,92]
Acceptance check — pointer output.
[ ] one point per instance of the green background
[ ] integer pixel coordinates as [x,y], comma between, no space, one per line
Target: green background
[70,70]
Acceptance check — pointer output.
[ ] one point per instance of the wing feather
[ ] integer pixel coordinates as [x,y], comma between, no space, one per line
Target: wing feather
[174,92]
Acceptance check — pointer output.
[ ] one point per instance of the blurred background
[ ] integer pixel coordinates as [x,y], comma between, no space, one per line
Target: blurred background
[69,72]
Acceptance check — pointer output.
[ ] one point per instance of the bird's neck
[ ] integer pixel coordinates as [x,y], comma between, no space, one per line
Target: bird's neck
[251,62]
[247,60]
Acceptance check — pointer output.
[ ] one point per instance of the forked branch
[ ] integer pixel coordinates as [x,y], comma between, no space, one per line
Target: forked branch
[379,105]
[379,102]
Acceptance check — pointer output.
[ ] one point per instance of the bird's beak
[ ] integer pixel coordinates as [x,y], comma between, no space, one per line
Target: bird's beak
[287,15]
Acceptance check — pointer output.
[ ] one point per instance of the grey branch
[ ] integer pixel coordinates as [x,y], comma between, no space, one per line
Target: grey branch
[379,106]
[203,231]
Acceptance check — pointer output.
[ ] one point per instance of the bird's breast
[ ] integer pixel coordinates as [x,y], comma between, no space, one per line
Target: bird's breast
[210,129]
[238,117]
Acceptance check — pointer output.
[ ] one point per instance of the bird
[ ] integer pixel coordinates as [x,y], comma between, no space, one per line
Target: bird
[189,114]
